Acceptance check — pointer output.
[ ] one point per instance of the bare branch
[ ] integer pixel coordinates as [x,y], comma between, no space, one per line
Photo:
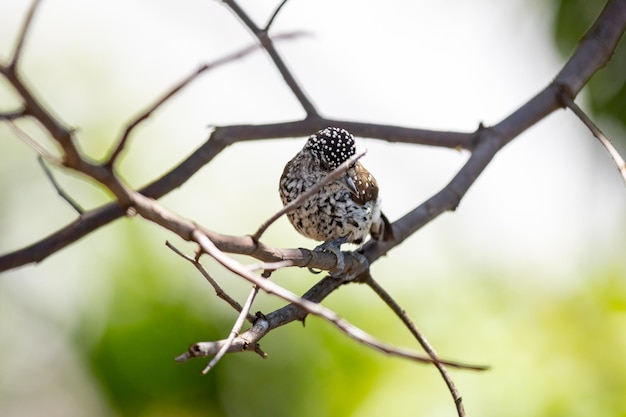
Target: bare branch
[446,199]
[22,36]
[77,208]
[33,107]
[32,142]
[592,53]
[268,45]
[334,174]
[311,307]
[218,290]
[220,138]
[273,17]
[597,133]
[595,49]
[186,81]
[235,330]
[12,115]
[246,342]
[399,311]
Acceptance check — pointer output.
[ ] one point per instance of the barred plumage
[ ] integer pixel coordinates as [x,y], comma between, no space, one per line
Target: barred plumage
[346,209]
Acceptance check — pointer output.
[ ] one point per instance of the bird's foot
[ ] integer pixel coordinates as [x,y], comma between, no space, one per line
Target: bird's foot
[334,247]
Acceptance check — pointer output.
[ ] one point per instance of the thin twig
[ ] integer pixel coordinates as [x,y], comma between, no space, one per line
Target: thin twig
[332,176]
[313,308]
[271,20]
[12,115]
[32,142]
[22,36]
[218,290]
[399,311]
[235,330]
[245,342]
[248,340]
[268,45]
[119,147]
[597,133]
[35,108]
[77,208]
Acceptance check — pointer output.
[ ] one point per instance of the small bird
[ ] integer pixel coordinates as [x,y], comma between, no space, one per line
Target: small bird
[343,211]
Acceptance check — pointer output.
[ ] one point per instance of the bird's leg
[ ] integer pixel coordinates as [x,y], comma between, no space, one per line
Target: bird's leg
[334,247]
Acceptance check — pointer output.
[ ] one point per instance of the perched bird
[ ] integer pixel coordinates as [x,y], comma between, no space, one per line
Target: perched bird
[343,211]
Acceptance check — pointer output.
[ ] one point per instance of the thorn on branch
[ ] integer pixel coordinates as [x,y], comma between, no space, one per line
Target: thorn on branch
[259,351]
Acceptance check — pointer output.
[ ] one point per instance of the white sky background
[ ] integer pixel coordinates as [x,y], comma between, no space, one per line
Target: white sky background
[546,202]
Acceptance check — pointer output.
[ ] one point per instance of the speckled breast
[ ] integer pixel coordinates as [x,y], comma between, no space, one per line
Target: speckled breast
[329,214]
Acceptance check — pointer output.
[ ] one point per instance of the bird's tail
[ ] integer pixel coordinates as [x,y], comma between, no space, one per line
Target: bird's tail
[381,229]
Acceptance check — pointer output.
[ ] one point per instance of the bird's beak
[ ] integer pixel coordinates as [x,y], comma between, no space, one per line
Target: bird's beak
[346,180]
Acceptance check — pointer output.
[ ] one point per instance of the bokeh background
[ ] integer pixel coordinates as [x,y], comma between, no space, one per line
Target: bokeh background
[528,275]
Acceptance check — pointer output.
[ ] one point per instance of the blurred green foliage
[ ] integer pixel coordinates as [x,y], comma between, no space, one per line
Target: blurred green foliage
[153,314]
[607,89]
[564,351]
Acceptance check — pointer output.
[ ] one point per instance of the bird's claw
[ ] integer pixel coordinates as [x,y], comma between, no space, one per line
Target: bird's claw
[338,271]
[334,247]
[340,265]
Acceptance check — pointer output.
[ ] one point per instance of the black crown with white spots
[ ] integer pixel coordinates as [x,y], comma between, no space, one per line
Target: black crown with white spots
[332,145]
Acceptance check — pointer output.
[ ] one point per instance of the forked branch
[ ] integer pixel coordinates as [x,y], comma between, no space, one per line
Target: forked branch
[306,307]
[593,52]
[21,38]
[597,133]
[119,147]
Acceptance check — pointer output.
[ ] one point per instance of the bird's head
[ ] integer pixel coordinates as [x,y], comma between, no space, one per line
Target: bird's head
[331,147]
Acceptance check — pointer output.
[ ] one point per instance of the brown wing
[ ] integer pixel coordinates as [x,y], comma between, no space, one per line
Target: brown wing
[363,185]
